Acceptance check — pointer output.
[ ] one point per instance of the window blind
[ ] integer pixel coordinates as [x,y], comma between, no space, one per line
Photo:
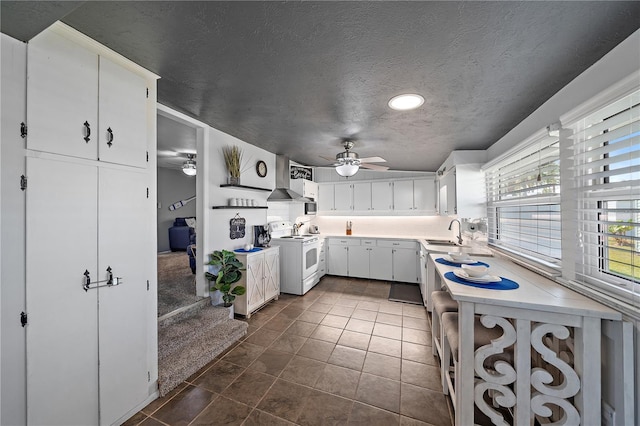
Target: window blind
[605,155]
[523,200]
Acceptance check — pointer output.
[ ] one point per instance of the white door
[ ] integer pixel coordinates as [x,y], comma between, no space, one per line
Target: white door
[381,196]
[403,195]
[271,274]
[380,261]
[405,265]
[325,197]
[359,261]
[123,116]
[338,260]
[343,197]
[255,281]
[124,235]
[62,93]
[424,195]
[362,196]
[62,338]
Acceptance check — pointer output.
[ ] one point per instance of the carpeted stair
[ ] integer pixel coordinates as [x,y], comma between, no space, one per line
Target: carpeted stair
[191,339]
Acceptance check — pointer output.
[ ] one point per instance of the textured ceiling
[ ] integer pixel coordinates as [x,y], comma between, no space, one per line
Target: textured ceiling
[296,77]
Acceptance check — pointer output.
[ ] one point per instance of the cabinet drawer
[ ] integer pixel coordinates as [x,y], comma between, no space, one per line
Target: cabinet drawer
[397,244]
[368,243]
[344,241]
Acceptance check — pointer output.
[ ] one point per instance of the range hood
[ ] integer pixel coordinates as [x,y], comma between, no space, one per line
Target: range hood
[283,190]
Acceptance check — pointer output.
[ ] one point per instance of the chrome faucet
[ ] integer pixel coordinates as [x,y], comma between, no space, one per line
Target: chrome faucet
[459,230]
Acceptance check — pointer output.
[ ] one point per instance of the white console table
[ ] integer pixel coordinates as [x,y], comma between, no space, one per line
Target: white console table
[549,328]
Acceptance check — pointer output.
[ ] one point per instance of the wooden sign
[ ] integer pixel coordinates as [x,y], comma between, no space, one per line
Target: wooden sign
[237,227]
[298,172]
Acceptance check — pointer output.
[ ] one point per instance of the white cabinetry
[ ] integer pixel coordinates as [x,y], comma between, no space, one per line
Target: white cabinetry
[462,192]
[261,279]
[322,259]
[362,196]
[326,197]
[69,87]
[405,259]
[343,197]
[381,196]
[424,195]
[378,259]
[87,218]
[403,195]
[305,187]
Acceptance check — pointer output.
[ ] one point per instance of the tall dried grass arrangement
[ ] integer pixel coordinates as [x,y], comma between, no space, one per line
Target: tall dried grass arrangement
[233,160]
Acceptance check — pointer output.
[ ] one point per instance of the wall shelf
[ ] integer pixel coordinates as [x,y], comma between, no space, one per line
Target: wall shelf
[239,207]
[253,188]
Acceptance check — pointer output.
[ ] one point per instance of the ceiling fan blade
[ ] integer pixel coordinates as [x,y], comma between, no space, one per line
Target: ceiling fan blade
[328,158]
[373,166]
[373,160]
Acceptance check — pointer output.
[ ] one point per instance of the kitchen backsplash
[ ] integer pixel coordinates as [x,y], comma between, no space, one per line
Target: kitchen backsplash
[394,226]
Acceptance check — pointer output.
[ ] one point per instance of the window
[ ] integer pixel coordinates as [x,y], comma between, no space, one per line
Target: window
[605,157]
[523,200]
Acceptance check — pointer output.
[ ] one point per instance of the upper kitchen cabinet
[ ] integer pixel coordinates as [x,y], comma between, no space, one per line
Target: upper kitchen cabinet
[306,188]
[362,196]
[381,196]
[335,197]
[82,104]
[462,192]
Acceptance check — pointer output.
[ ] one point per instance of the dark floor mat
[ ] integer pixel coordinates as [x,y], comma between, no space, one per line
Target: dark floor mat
[407,293]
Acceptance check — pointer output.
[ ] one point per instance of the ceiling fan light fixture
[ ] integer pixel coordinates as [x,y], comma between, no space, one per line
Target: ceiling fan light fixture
[406,102]
[189,166]
[347,169]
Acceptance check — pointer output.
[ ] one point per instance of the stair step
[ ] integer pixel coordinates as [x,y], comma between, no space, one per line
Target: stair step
[182,313]
[187,345]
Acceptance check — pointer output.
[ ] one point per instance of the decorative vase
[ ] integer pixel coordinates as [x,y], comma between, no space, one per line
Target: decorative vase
[232,180]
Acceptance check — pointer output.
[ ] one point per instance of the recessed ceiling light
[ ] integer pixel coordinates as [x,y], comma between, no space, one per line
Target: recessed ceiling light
[406,102]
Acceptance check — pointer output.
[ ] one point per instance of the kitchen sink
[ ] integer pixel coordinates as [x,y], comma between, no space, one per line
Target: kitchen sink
[441,243]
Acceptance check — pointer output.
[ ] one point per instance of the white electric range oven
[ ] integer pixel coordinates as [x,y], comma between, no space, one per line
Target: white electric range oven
[299,258]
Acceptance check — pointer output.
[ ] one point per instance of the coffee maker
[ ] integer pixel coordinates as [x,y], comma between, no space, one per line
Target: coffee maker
[261,236]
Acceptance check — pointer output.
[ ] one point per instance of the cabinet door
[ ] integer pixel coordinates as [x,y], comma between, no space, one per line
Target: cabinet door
[447,195]
[424,195]
[380,263]
[122,136]
[62,93]
[326,197]
[255,282]
[405,267]
[381,196]
[362,196]
[124,233]
[343,197]
[271,274]
[62,335]
[310,189]
[403,195]
[359,261]
[338,260]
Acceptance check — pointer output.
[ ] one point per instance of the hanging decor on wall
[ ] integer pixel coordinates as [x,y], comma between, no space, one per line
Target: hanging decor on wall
[236,227]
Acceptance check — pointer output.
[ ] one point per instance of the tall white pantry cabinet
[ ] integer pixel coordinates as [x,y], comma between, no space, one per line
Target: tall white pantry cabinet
[90,233]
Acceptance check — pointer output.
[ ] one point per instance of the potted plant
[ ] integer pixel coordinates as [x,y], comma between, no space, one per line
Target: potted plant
[226,272]
[233,161]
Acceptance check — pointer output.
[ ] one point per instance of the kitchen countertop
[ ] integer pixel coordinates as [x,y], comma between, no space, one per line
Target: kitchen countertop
[475,249]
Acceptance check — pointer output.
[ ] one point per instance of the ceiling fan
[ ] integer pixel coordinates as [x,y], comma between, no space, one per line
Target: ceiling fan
[347,163]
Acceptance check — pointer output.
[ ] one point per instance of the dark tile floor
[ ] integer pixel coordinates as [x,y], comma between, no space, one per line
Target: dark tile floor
[341,354]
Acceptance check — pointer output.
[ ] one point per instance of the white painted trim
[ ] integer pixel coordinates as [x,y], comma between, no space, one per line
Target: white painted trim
[82,40]
[617,91]
[530,142]
[174,115]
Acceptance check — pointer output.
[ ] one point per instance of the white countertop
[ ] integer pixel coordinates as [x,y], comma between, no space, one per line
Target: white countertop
[535,292]
[475,249]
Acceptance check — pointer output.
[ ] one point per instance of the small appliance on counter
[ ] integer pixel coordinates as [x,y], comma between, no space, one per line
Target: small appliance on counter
[261,236]
[313,229]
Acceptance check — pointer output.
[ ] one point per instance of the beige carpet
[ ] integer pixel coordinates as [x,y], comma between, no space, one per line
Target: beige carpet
[176,282]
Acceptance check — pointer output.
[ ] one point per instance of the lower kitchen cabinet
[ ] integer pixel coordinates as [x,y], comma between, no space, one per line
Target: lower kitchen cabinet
[261,279]
[378,259]
[322,259]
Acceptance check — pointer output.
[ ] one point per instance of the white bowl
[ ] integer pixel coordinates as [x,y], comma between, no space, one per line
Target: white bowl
[475,271]
[455,255]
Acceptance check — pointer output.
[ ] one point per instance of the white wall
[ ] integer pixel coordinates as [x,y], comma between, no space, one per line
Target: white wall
[173,186]
[12,358]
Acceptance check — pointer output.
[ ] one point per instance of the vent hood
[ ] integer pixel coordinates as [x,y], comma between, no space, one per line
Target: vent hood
[283,190]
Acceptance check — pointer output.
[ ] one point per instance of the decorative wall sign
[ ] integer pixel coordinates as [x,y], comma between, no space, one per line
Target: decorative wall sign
[236,228]
[299,172]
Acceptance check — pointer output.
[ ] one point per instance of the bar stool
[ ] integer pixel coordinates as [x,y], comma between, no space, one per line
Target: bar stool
[450,344]
[442,302]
